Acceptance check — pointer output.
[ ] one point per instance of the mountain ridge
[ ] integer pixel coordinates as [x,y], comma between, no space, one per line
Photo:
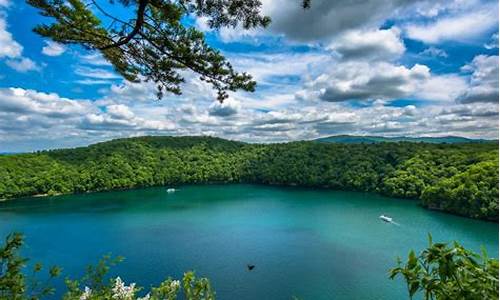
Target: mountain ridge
[369,139]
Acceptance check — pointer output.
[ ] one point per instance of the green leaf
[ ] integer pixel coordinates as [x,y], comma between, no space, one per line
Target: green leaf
[412,260]
[413,288]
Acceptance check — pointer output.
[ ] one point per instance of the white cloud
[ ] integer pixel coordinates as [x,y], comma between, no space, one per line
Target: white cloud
[128,92]
[23,65]
[326,19]
[493,43]
[374,44]
[53,49]
[95,59]
[463,27]
[225,109]
[93,81]
[364,81]
[437,8]
[12,50]
[30,102]
[201,24]
[27,115]
[446,87]
[8,46]
[120,111]
[359,80]
[266,66]
[49,119]
[230,34]
[483,82]
[434,52]
[123,118]
[321,120]
[95,73]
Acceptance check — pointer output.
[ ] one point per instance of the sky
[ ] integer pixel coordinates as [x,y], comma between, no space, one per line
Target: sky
[372,67]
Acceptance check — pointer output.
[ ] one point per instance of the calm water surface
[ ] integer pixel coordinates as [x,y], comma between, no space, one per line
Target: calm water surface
[313,244]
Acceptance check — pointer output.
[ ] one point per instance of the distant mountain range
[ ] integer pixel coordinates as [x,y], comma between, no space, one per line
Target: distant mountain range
[353,139]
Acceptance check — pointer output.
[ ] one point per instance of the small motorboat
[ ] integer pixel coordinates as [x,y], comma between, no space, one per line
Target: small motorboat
[385,218]
[171,190]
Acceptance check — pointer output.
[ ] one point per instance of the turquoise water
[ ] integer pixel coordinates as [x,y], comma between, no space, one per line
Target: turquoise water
[313,244]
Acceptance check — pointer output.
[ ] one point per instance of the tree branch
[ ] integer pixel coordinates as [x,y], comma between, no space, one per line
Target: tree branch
[138,25]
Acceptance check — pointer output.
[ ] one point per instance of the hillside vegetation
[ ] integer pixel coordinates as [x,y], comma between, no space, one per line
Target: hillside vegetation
[456,178]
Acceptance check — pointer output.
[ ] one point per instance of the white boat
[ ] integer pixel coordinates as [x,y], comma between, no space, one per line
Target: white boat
[386,219]
[171,190]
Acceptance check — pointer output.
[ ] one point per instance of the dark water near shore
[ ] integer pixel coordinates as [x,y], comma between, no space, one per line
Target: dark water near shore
[313,244]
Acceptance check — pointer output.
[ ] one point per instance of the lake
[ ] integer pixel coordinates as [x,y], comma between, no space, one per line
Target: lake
[313,244]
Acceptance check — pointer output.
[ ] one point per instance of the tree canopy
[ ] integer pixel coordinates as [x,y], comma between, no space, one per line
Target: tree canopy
[154,43]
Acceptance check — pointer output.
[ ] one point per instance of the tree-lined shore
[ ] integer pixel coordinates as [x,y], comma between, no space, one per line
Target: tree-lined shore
[456,178]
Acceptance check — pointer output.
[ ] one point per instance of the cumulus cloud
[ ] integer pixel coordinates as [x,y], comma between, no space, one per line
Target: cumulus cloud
[325,18]
[8,46]
[28,114]
[359,80]
[320,120]
[53,49]
[225,109]
[364,81]
[120,111]
[129,92]
[434,52]
[483,80]
[279,75]
[493,43]
[446,87]
[11,49]
[23,65]
[461,27]
[430,21]
[30,103]
[146,91]
[374,44]
[107,123]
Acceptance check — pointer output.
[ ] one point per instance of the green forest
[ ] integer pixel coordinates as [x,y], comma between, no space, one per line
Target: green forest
[456,178]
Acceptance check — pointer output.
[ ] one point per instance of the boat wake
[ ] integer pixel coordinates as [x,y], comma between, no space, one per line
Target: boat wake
[388,219]
[172,190]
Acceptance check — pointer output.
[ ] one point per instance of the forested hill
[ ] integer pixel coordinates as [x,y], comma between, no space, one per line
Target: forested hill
[457,178]
[355,139]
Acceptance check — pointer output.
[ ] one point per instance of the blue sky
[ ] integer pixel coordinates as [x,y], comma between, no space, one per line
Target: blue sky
[379,67]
